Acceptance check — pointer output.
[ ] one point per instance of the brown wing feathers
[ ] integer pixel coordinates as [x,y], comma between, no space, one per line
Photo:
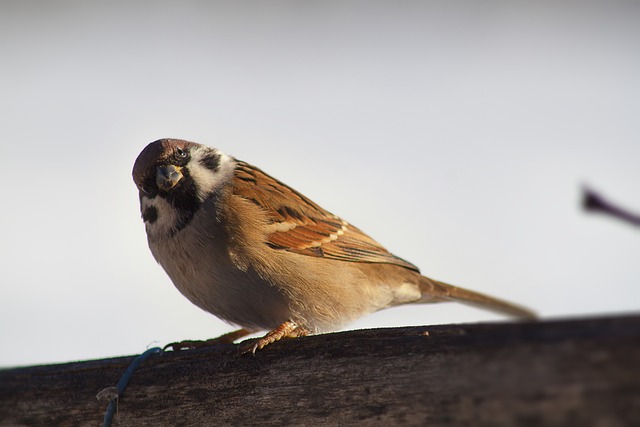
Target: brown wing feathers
[303,227]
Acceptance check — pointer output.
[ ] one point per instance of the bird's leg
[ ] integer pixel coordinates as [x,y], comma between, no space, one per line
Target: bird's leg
[228,338]
[288,329]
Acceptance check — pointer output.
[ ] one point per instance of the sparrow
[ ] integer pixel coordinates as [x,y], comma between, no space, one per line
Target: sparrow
[256,253]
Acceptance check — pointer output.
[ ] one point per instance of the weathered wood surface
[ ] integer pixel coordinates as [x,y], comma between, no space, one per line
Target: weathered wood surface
[567,372]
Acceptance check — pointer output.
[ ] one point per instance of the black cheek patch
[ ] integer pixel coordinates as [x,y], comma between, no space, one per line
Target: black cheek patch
[211,161]
[150,215]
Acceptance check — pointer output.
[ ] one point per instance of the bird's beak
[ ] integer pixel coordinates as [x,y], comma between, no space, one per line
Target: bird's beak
[168,176]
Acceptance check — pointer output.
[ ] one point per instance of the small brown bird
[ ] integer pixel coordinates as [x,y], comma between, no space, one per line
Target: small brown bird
[251,250]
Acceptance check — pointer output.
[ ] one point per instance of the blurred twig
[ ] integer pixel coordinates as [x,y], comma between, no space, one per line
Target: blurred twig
[594,202]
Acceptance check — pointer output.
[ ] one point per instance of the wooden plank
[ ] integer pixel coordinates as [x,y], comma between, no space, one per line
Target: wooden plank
[566,372]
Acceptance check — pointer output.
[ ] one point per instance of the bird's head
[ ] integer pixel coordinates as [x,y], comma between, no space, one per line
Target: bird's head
[174,177]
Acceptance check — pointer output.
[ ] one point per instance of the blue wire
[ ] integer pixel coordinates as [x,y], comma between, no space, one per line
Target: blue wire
[124,380]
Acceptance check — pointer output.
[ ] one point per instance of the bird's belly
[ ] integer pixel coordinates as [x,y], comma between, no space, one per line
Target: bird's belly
[327,295]
[209,280]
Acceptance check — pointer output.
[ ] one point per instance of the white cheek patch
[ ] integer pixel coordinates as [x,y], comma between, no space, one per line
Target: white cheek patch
[166,219]
[208,180]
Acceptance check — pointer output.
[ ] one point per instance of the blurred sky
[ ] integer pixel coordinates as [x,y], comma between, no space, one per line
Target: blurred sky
[457,134]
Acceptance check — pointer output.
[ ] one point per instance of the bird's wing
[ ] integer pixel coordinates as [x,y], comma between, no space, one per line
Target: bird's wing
[301,226]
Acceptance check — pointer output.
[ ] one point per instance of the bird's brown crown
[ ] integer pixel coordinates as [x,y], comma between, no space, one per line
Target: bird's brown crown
[156,153]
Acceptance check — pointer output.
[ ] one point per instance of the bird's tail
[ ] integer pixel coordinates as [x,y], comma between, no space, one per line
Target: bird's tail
[435,291]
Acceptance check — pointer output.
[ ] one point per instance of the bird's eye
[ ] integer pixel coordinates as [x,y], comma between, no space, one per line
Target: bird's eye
[145,189]
[181,152]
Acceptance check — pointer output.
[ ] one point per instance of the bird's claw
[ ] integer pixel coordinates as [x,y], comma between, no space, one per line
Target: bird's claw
[288,329]
[228,338]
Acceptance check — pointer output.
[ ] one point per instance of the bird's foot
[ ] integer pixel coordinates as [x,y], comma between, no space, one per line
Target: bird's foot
[288,329]
[222,339]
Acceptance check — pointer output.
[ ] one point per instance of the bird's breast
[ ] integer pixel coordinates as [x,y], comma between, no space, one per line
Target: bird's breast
[200,265]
